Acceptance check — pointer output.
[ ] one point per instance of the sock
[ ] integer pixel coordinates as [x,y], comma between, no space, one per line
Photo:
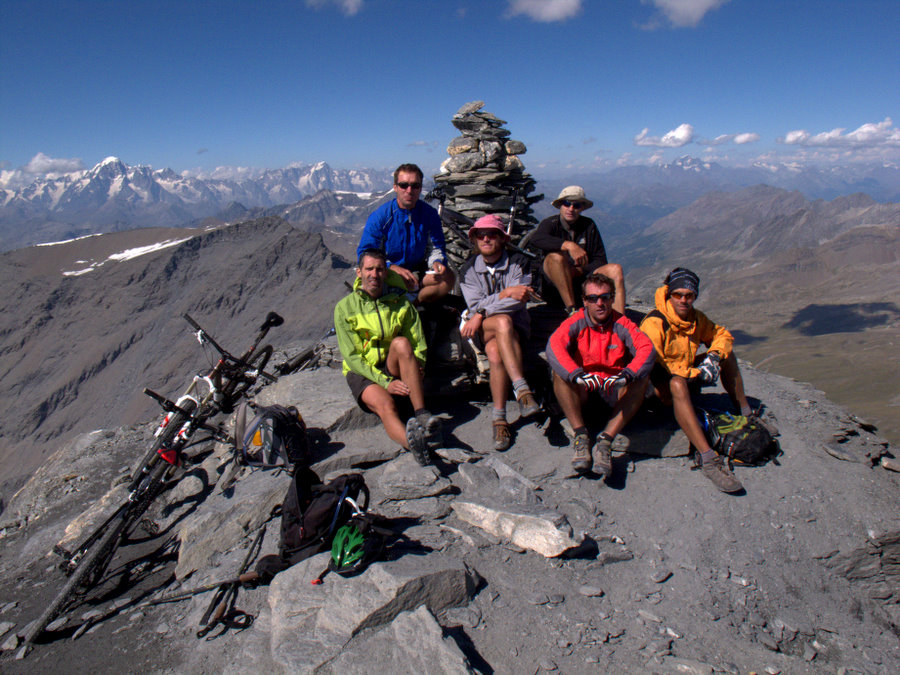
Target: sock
[746,411]
[422,415]
[707,456]
[581,431]
[520,387]
[606,436]
[500,414]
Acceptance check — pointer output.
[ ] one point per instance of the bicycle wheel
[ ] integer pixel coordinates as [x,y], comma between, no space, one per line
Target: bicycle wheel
[240,382]
[164,440]
[100,553]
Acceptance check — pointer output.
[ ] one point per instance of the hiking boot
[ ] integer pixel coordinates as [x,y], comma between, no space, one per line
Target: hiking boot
[418,446]
[720,475]
[528,405]
[581,460]
[434,433]
[602,449]
[502,435]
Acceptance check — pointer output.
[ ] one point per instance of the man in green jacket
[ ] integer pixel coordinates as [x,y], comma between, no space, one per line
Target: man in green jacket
[380,337]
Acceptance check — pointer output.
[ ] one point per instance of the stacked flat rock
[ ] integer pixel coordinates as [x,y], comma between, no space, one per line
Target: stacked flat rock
[482,174]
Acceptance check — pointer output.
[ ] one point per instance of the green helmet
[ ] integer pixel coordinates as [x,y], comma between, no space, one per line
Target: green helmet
[355,545]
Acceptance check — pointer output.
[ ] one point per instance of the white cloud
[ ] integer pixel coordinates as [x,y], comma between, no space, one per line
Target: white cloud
[545,10]
[869,135]
[737,139]
[41,163]
[682,135]
[682,13]
[347,7]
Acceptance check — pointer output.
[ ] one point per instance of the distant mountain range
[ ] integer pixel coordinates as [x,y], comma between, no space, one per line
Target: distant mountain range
[640,195]
[113,196]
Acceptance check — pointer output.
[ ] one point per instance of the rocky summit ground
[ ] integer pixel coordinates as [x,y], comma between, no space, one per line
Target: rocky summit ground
[507,562]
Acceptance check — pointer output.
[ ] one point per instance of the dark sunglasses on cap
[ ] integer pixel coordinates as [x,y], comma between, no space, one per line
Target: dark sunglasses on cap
[407,186]
[605,297]
[574,205]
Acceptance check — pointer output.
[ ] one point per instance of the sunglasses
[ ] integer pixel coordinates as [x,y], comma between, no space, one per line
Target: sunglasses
[574,205]
[605,297]
[685,295]
[409,186]
[487,234]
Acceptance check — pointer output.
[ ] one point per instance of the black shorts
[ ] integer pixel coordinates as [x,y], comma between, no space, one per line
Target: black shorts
[358,385]
[660,376]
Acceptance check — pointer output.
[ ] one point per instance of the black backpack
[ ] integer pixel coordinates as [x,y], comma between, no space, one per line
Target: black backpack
[310,515]
[740,439]
[275,437]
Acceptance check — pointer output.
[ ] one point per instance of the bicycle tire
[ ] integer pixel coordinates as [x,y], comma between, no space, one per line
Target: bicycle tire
[237,387]
[86,566]
[99,555]
[153,487]
[163,440]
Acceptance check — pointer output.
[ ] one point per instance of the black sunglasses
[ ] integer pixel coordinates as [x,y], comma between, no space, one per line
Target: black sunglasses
[574,205]
[605,297]
[405,186]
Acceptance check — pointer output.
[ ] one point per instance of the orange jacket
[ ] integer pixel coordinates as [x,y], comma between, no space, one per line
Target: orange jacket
[676,345]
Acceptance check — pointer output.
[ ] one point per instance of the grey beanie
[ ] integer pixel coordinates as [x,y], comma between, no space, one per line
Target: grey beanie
[681,277]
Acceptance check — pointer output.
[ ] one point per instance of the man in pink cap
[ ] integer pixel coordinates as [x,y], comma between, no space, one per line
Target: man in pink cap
[496,287]
[573,249]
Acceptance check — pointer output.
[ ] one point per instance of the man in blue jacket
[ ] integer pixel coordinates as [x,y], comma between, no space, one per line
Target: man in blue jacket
[403,228]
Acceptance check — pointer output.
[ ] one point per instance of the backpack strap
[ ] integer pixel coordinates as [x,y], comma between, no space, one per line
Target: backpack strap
[656,314]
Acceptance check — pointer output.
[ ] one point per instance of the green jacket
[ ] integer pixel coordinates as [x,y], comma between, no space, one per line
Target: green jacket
[366,326]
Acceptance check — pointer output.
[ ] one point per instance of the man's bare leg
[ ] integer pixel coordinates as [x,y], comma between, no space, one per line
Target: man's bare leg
[631,396]
[711,464]
[686,415]
[498,377]
[559,269]
[402,363]
[499,328]
[435,287]
[571,398]
[733,384]
[614,272]
[380,402]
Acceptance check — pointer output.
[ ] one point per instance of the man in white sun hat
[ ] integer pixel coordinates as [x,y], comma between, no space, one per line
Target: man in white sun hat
[573,249]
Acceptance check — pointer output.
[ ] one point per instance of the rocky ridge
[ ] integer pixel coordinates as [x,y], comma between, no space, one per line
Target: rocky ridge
[506,561]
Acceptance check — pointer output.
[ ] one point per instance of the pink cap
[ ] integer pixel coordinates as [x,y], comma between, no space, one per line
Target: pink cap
[488,222]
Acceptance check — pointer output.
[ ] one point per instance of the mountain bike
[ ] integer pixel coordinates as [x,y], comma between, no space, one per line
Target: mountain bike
[205,397]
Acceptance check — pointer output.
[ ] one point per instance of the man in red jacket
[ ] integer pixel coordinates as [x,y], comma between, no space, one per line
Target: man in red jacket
[598,350]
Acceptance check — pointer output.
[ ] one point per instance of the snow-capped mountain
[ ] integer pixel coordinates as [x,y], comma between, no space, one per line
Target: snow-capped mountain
[113,196]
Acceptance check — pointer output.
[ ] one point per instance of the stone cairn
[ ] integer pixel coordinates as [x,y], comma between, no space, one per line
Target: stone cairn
[482,175]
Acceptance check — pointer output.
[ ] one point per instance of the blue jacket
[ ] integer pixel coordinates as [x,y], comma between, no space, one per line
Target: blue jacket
[405,243]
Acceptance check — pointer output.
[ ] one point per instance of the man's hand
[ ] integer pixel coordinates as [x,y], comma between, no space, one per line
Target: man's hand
[398,388]
[709,369]
[412,283]
[611,383]
[590,382]
[520,293]
[578,254]
[471,327]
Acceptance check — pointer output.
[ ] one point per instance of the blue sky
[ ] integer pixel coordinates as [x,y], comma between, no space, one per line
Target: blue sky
[583,83]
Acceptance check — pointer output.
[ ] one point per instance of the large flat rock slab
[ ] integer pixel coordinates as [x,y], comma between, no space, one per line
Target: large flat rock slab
[312,623]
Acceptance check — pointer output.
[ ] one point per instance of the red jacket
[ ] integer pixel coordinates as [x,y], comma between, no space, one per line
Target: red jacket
[618,346]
